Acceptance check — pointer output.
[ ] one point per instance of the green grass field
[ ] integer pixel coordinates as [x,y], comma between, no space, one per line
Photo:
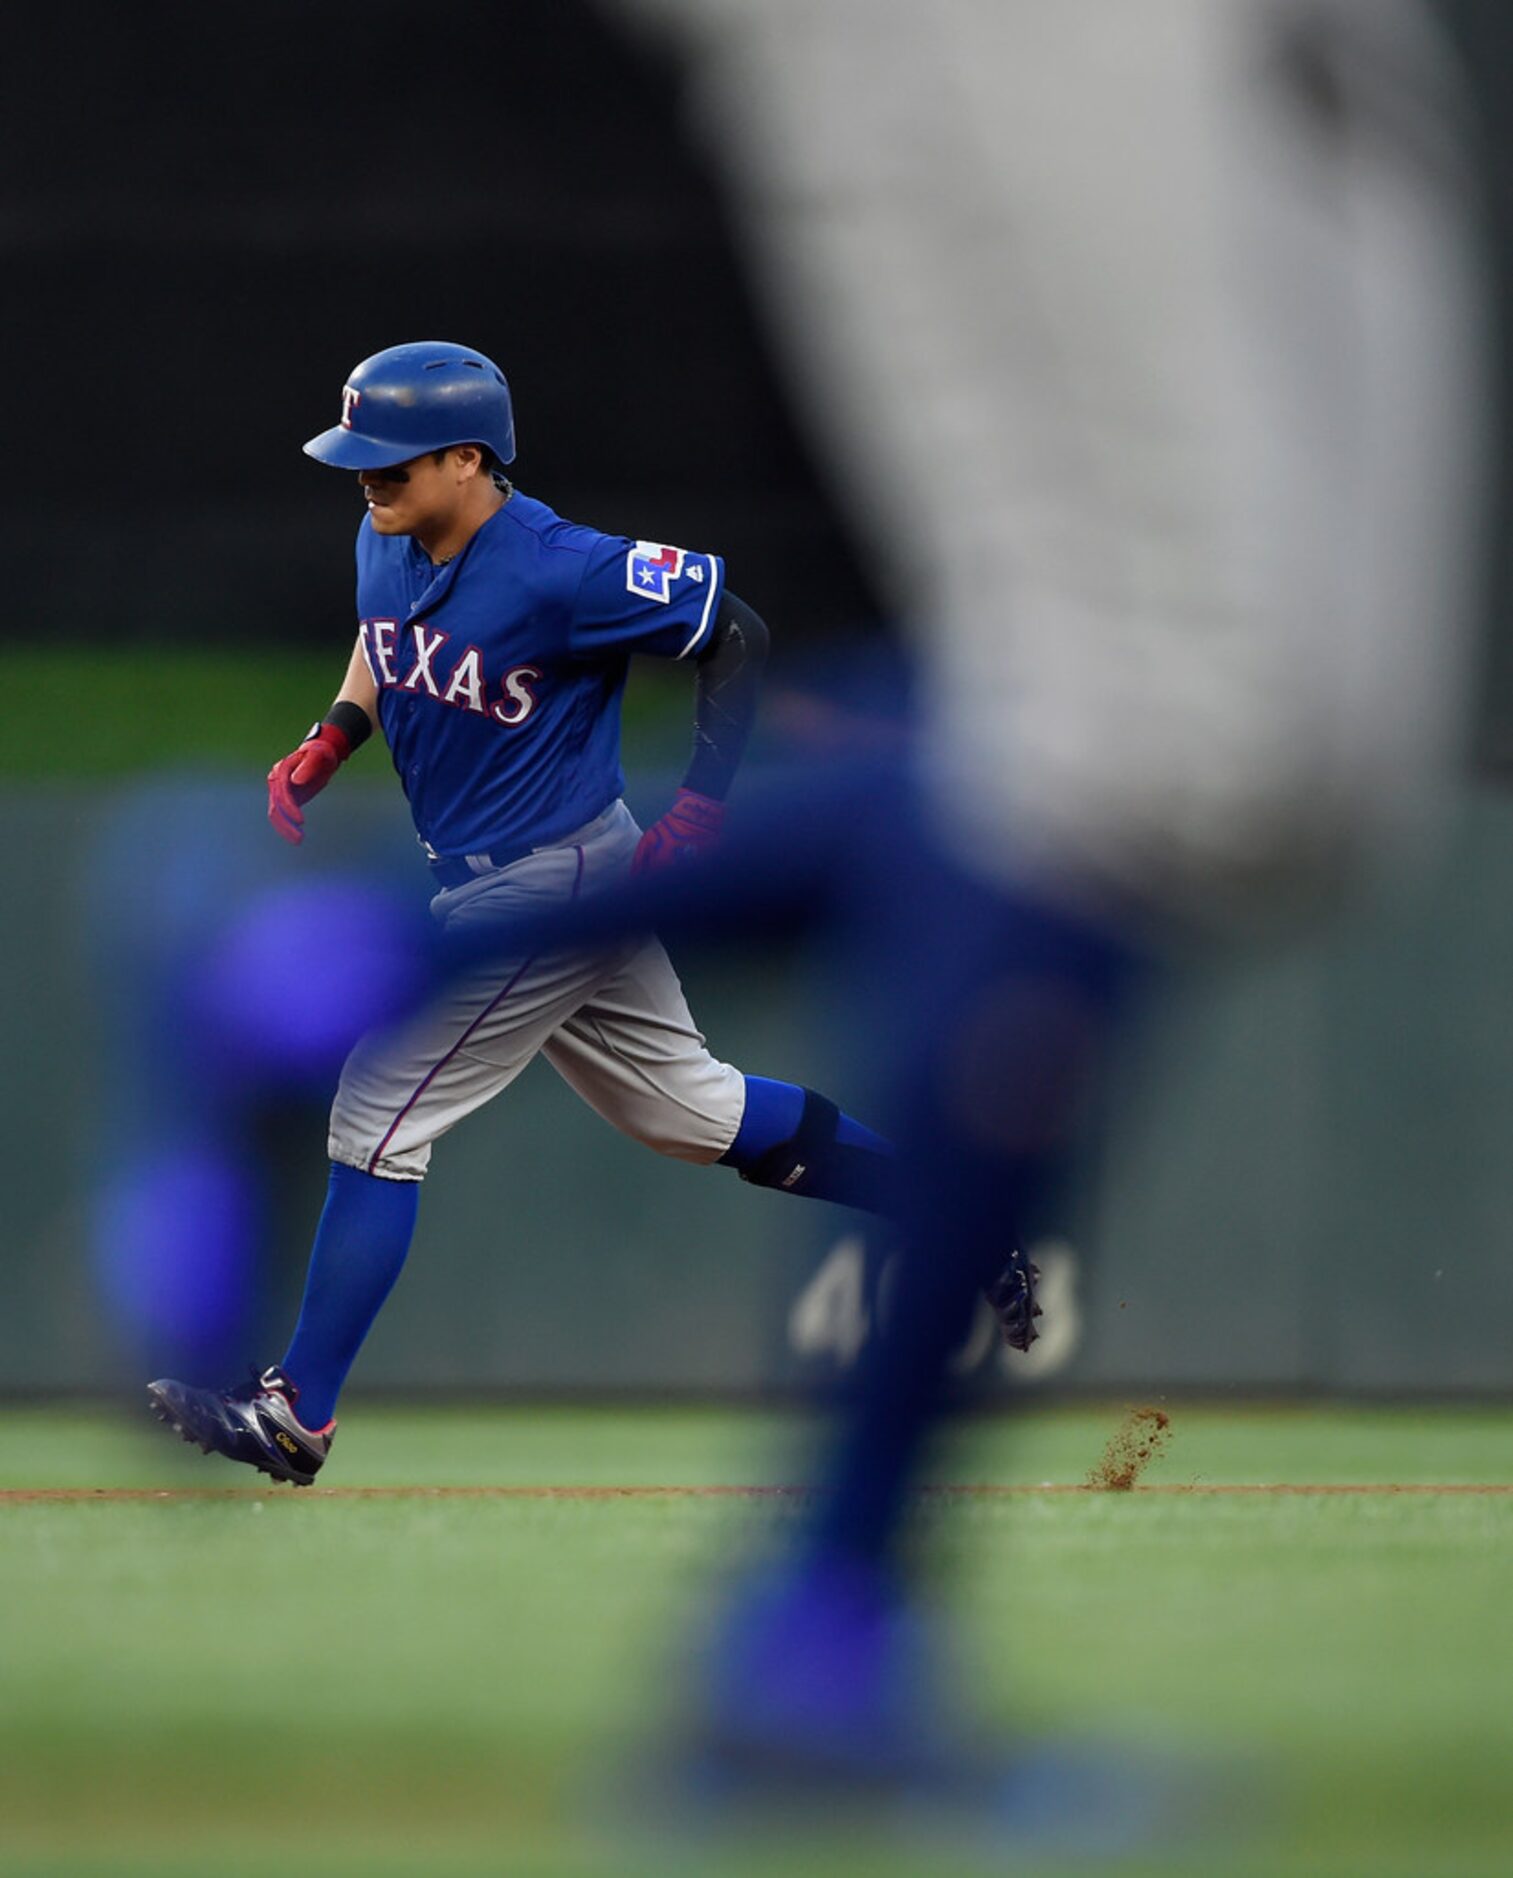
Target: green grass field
[434,1683]
[231,711]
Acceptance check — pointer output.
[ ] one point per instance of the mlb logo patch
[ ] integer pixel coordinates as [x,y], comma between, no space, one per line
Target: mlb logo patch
[651,568]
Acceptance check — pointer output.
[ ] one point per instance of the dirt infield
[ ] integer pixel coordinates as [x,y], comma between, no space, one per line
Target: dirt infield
[1132,1447]
[20,1496]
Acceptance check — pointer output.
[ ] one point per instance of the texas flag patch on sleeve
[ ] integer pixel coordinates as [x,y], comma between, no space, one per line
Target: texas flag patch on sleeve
[651,568]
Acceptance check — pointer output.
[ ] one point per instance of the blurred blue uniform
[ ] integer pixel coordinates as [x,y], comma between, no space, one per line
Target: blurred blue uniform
[1145,343]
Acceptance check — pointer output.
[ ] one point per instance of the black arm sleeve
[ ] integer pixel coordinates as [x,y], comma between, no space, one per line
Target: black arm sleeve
[352,720]
[729,678]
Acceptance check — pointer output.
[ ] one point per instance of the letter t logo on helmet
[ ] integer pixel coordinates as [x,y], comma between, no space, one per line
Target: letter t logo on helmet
[418,397]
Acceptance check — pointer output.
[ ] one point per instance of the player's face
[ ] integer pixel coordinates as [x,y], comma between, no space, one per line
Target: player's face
[410,498]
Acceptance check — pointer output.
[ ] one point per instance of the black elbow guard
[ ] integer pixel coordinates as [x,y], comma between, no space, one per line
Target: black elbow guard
[814,1163]
[737,620]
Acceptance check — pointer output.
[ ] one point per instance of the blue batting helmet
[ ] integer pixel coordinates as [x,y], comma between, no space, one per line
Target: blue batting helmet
[414,398]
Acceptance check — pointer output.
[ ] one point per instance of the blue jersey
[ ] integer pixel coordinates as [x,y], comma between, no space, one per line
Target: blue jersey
[500,674]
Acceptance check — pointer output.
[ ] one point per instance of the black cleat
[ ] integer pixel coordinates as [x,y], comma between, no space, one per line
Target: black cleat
[254,1423]
[1012,1296]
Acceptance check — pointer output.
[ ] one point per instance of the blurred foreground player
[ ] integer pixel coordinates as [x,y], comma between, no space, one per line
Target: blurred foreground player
[1147,341]
[494,645]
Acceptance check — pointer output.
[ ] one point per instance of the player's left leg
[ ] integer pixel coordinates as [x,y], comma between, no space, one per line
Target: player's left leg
[797,1141]
[636,1056]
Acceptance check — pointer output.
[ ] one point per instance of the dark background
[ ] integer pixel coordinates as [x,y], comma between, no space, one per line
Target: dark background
[209,215]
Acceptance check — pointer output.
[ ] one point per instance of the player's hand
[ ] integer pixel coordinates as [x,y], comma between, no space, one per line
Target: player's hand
[295,778]
[689,828]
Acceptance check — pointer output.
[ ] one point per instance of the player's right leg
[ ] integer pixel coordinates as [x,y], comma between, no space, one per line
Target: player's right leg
[400,1090]
[257,1423]
[398,1094]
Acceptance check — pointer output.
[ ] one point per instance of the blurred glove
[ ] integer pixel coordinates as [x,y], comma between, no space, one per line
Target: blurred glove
[294,779]
[1012,1296]
[689,828]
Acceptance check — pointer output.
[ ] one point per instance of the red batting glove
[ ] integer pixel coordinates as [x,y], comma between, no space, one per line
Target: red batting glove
[302,774]
[691,827]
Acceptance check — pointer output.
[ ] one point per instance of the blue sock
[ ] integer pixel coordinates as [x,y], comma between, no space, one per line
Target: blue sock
[853,1167]
[771,1115]
[360,1247]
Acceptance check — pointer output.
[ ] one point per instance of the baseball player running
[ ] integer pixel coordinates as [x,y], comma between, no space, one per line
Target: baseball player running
[493,650]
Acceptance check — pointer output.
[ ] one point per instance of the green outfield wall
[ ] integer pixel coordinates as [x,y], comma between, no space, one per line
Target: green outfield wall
[1312,1189]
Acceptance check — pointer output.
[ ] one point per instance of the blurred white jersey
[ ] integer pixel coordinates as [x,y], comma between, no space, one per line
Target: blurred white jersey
[1147,339]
